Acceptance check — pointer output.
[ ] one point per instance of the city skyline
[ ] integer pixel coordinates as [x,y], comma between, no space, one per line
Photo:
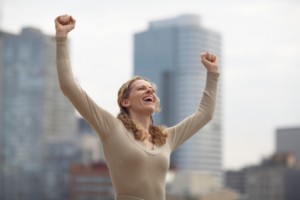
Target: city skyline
[261,57]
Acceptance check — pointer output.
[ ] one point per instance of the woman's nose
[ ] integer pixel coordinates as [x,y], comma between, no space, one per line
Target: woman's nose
[149,91]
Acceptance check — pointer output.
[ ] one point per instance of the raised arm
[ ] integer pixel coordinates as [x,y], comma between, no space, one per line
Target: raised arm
[102,121]
[63,25]
[185,129]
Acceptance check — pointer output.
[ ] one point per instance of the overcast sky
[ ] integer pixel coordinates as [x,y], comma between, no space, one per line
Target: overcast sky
[261,57]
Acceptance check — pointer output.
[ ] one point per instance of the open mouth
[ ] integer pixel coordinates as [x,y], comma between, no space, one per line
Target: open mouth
[148,99]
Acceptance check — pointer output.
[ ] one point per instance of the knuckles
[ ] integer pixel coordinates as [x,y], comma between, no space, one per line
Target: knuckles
[64,20]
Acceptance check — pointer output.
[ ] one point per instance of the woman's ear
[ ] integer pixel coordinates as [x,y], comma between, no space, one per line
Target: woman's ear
[125,103]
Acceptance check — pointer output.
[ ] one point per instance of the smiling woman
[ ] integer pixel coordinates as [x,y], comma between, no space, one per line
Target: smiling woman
[137,98]
[137,152]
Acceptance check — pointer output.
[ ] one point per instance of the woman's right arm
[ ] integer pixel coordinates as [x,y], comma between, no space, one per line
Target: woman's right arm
[100,119]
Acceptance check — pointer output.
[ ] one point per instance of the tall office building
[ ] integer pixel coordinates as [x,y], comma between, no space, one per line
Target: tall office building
[32,110]
[288,140]
[168,53]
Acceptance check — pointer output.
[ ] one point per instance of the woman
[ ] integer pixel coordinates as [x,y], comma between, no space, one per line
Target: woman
[137,152]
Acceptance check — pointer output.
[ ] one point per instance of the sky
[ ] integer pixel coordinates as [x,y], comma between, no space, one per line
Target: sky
[260,57]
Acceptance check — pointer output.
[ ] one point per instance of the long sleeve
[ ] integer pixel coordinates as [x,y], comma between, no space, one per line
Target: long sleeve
[102,121]
[189,126]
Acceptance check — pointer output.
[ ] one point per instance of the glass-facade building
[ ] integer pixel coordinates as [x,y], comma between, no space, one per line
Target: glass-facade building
[168,53]
[32,110]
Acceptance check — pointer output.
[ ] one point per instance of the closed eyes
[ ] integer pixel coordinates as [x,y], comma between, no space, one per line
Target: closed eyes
[145,88]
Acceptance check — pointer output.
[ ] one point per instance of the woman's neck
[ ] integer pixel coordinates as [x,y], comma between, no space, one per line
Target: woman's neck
[142,119]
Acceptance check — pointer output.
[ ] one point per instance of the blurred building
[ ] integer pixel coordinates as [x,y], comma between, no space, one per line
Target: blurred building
[221,194]
[32,109]
[276,178]
[90,182]
[168,53]
[1,100]
[235,180]
[61,154]
[92,151]
[288,140]
[193,183]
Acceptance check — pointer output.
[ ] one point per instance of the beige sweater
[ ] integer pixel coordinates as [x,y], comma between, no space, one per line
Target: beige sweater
[137,172]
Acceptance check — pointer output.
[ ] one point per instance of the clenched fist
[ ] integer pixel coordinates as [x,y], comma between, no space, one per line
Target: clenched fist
[210,62]
[64,24]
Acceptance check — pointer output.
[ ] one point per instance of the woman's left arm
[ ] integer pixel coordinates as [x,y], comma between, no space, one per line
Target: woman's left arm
[185,129]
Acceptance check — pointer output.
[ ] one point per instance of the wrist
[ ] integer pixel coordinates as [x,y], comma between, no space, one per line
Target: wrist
[61,34]
[214,70]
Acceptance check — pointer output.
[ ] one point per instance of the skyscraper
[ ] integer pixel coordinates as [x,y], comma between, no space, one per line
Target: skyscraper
[32,109]
[168,53]
[288,140]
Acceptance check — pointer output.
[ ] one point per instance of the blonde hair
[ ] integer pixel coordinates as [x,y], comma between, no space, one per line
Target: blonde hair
[158,133]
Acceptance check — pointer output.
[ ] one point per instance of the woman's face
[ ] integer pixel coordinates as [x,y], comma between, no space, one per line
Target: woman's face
[142,97]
